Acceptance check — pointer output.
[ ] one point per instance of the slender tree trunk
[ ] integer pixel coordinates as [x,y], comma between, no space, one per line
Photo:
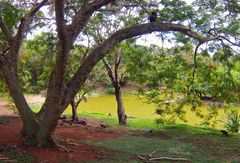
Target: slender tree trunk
[122,117]
[74,111]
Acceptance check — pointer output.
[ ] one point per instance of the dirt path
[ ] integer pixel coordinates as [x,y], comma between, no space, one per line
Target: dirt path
[3,109]
[70,136]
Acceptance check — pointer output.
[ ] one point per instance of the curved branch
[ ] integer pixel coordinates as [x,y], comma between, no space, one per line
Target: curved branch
[82,16]
[25,22]
[195,55]
[195,60]
[109,70]
[233,43]
[98,53]
[117,61]
[142,6]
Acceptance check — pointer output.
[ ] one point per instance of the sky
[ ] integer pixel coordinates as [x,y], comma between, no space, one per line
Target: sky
[146,40]
[153,39]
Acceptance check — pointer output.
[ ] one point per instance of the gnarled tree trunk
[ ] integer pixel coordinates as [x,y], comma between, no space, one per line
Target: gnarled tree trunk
[38,129]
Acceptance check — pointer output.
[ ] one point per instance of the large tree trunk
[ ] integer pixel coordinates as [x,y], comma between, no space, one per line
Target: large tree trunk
[122,117]
[30,125]
[48,122]
[38,129]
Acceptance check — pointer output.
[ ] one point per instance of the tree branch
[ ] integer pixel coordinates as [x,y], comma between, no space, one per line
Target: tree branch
[82,16]
[195,60]
[25,22]
[98,53]
[117,63]
[5,29]
[109,70]
[59,11]
[142,6]
[233,43]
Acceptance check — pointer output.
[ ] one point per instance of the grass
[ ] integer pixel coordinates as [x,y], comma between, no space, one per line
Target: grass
[134,123]
[16,155]
[197,144]
[112,121]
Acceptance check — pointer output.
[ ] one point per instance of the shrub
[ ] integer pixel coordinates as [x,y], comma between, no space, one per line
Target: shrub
[232,121]
[110,91]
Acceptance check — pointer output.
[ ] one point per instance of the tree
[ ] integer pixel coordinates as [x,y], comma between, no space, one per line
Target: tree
[77,57]
[116,77]
[70,22]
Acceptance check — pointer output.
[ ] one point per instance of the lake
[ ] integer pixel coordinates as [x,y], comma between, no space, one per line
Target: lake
[135,107]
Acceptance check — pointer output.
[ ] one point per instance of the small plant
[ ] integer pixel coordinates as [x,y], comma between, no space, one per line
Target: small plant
[232,121]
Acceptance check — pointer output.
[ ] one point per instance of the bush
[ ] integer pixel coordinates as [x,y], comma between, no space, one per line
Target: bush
[110,91]
[232,121]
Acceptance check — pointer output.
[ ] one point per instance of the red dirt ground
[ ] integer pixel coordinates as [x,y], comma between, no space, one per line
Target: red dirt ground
[71,137]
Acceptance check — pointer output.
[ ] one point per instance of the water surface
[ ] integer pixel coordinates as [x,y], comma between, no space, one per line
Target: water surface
[137,107]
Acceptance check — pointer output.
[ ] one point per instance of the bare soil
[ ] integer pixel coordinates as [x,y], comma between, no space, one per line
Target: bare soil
[71,139]
[3,110]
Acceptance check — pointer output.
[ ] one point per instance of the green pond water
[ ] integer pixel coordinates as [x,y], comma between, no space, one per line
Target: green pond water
[135,107]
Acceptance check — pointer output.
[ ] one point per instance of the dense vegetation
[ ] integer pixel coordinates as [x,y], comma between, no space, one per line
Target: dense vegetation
[203,63]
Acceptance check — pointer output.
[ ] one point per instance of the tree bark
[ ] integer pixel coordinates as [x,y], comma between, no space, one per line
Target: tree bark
[30,124]
[38,129]
[48,122]
[114,77]
[122,117]
[101,51]
[74,111]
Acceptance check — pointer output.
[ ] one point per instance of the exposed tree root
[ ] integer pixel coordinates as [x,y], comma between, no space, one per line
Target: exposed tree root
[148,159]
[66,142]
[6,159]
[62,148]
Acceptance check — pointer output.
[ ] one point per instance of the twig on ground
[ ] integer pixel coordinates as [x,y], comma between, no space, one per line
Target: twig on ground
[62,148]
[162,158]
[151,154]
[142,158]
[168,158]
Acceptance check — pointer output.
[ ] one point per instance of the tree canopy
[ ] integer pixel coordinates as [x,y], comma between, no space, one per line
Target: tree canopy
[206,25]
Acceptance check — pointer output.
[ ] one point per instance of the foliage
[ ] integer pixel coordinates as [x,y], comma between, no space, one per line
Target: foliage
[11,106]
[170,78]
[11,14]
[232,121]
[110,91]
[34,54]
[161,77]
